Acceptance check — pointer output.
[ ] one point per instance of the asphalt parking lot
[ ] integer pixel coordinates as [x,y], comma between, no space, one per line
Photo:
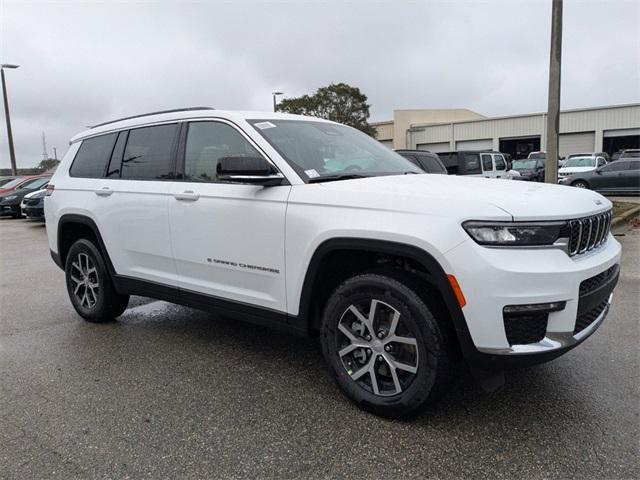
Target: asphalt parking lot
[177,393]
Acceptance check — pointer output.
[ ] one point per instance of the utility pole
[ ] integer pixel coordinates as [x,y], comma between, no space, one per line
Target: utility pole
[55,153]
[45,154]
[553,113]
[12,154]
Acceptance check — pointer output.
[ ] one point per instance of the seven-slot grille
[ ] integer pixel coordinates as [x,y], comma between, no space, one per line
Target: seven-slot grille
[589,232]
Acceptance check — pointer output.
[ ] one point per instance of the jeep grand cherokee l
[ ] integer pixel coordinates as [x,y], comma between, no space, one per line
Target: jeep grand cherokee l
[314,227]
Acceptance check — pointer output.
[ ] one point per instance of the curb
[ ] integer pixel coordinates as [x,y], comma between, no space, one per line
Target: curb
[632,212]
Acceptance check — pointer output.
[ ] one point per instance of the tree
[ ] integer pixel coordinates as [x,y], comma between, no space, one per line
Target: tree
[338,102]
[48,164]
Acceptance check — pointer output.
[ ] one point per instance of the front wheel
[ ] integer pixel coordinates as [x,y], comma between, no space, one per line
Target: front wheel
[580,184]
[384,348]
[89,284]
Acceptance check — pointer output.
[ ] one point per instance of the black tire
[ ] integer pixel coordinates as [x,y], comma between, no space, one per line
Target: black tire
[436,353]
[580,184]
[107,304]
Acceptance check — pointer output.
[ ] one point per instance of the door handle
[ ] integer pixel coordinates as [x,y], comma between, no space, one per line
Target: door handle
[104,192]
[187,196]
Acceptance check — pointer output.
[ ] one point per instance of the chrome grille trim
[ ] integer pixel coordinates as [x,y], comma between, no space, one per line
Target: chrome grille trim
[589,232]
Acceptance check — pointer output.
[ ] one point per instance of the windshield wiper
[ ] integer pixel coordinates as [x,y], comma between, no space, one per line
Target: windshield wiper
[340,176]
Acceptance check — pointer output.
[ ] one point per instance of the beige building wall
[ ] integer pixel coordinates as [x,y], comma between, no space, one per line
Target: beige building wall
[396,132]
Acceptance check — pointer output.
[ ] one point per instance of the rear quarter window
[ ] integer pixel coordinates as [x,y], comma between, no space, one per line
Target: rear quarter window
[92,157]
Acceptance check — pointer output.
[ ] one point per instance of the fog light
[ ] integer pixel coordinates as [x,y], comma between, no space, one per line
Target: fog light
[534,308]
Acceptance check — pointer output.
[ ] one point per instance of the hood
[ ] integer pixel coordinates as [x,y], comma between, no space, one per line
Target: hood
[36,194]
[570,170]
[464,197]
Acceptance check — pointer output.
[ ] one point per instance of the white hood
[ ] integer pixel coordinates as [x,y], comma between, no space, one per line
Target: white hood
[464,197]
[572,170]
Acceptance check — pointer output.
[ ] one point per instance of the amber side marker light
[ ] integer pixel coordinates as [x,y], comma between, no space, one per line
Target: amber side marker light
[457,290]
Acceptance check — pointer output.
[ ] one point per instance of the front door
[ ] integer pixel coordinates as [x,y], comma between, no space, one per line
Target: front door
[227,238]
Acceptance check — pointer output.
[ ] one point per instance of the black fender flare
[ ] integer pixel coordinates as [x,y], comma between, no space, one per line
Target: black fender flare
[437,277]
[82,220]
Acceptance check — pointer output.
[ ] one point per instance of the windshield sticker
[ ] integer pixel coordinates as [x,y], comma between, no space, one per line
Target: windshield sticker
[312,173]
[264,125]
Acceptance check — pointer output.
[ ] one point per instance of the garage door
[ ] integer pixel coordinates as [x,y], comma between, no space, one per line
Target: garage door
[387,143]
[485,144]
[576,143]
[434,147]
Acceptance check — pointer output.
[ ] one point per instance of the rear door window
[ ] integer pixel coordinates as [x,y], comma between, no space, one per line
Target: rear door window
[487,163]
[92,157]
[148,154]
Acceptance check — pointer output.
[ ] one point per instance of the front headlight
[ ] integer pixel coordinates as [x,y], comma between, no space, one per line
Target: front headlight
[516,234]
[10,197]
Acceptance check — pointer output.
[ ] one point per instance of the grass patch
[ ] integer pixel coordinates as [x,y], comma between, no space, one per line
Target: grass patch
[620,207]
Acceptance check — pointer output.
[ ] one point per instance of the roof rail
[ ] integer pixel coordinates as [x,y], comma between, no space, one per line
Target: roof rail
[187,109]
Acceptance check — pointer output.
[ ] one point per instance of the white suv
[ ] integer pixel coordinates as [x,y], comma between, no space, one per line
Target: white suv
[314,227]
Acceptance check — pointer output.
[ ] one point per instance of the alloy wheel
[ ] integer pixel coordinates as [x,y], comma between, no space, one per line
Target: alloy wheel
[376,348]
[84,275]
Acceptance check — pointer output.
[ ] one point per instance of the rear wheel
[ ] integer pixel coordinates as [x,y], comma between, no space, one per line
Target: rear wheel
[384,347]
[89,284]
[580,184]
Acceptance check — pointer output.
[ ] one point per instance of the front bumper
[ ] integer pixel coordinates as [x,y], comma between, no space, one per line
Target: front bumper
[10,210]
[34,212]
[492,278]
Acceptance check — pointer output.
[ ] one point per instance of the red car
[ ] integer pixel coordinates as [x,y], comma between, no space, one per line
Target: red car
[17,183]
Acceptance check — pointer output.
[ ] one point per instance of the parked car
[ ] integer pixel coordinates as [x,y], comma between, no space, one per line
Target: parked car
[579,164]
[621,176]
[531,170]
[427,161]
[629,153]
[5,180]
[477,163]
[33,205]
[400,276]
[10,199]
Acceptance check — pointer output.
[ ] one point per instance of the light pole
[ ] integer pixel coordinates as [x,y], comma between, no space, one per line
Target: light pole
[275,94]
[12,154]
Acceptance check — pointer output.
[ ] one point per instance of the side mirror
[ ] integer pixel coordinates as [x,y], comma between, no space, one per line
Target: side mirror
[251,170]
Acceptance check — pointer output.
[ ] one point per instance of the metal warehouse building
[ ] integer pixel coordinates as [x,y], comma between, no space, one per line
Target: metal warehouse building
[600,129]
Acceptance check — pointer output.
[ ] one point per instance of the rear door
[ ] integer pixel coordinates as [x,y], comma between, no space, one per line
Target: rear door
[499,165]
[487,165]
[129,202]
[228,238]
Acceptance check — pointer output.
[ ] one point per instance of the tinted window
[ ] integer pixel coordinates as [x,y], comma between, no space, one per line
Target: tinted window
[472,163]
[615,167]
[91,159]
[500,163]
[116,157]
[487,164]
[601,161]
[147,155]
[431,164]
[207,143]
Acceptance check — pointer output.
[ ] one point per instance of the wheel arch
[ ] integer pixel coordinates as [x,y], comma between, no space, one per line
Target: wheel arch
[432,273]
[580,179]
[73,226]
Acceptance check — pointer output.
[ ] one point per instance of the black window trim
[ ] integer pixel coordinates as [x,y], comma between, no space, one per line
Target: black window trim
[181,149]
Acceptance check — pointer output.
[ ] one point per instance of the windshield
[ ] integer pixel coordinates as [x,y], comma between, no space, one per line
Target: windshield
[581,162]
[35,183]
[631,154]
[319,149]
[524,164]
[537,155]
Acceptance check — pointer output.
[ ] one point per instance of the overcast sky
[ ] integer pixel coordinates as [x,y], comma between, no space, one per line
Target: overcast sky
[86,62]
